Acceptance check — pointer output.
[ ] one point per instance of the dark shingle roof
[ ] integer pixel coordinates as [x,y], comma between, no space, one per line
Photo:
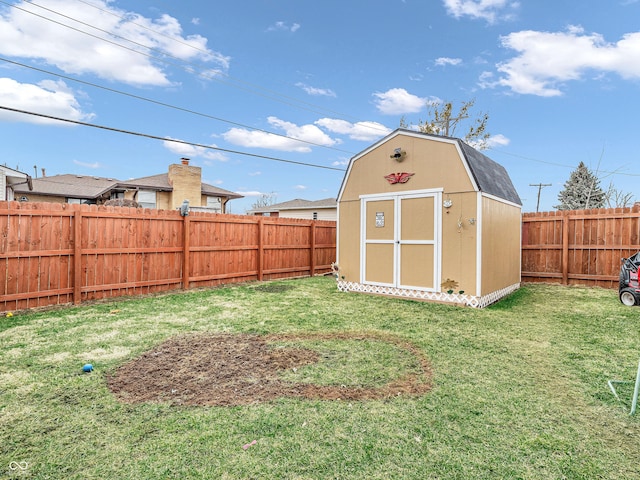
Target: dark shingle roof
[491,177]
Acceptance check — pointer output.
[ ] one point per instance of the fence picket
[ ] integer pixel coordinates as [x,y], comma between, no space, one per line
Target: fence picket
[62,253]
[592,243]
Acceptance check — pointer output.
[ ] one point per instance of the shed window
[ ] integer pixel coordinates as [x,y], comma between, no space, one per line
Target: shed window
[315,215]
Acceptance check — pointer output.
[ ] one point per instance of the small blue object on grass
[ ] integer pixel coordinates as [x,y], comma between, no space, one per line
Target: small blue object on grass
[87,368]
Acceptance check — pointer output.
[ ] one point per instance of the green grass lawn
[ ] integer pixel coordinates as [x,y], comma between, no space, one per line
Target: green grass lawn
[519,389]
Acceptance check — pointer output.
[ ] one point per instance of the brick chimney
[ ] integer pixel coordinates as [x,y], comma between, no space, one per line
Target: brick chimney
[186,181]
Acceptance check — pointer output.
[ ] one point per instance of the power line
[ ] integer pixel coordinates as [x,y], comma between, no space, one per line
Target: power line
[163,104]
[258,87]
[615,172]
[165,139]
[108,12]
[255,89]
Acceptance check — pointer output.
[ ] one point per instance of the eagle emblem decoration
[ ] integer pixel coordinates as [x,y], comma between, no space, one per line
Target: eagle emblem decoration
[400,177]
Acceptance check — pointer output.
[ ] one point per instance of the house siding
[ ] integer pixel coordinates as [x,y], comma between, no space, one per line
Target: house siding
[307,214]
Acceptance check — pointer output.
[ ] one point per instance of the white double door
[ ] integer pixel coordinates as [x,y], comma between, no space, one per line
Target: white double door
[400,240]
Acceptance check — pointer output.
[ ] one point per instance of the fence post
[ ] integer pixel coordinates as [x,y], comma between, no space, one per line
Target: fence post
[260,247]
[565,248]
[312,260]
[77,257]
[186,247]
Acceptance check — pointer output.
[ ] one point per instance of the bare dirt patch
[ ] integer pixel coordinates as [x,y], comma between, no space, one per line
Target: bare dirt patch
[225,369]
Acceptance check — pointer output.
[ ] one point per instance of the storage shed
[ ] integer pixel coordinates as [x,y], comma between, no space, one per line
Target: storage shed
[431,218]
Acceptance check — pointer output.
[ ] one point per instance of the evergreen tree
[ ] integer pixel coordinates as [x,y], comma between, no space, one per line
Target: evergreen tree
[581,191]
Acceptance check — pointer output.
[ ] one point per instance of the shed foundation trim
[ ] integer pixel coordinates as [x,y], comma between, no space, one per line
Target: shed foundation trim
[453,298]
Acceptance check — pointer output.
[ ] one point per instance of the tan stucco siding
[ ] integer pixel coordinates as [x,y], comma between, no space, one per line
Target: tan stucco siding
[349,241]
[433,164]
[501,245]
[459,239]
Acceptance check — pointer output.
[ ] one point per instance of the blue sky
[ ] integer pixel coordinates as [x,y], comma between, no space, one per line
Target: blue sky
[559,79]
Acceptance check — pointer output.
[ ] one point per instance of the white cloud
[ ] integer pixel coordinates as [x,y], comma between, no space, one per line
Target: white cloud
[547,60]
[251,193]
[497,140]
[340,163]
[494,141]
[300,187]
[489,10]
[363,131]
[443,61]
[29,36]
[48,97]
[282,26]
[398,101]
[94,165]
[213,182]
[288,143]
[193,151]
[255,174]
[324,92]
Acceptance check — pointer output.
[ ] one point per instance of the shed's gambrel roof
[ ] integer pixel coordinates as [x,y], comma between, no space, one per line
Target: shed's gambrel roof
[491,177]
[488,176]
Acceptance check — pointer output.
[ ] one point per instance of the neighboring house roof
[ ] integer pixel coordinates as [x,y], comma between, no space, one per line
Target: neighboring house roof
[489,176]
[153,182]
[68,185]
[161,182]
[83,186]
[297,204]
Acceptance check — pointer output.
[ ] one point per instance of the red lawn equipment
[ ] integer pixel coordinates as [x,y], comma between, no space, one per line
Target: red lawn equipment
[629,289]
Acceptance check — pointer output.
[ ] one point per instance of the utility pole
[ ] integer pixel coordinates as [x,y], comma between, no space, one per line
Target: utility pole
[540,186]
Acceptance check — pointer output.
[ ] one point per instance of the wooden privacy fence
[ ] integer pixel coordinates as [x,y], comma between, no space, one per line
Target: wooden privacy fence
[61,253]
[579,246]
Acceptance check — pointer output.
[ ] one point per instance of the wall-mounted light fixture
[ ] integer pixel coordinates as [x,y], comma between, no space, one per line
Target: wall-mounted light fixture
[398,155]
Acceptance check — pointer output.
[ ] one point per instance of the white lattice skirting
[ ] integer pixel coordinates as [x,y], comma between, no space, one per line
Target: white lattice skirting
[456,298]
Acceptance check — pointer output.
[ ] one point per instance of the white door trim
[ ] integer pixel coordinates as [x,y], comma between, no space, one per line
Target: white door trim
[397,241]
